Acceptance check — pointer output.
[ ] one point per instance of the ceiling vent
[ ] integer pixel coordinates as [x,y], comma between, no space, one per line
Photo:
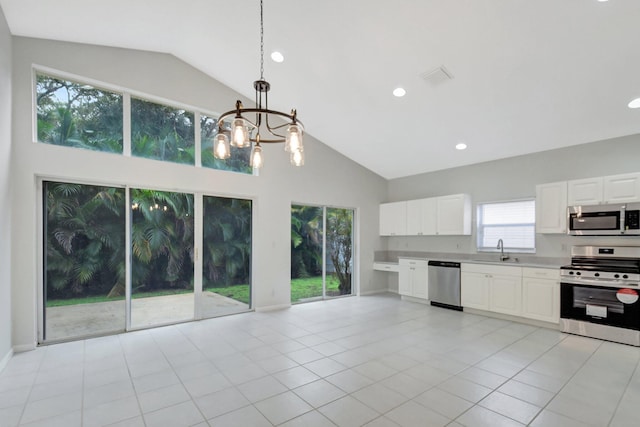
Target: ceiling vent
[437,76]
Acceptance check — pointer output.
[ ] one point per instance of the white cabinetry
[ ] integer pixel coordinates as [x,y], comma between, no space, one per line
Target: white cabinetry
[444,215]
[541,294]
[551,208]
[492,287]
[609,189]
[622,188]
[413,278]
[386,266]
[393,219]
[454,215]
[421,217]
[505,293]
[474,289]
[588,191]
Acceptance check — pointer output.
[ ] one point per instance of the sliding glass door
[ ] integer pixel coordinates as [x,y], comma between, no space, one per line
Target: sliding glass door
[321,252]
[226,256]
[117,259]
[84,260]
[162,247]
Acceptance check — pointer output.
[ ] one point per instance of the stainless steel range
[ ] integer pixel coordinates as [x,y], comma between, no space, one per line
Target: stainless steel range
[599,293]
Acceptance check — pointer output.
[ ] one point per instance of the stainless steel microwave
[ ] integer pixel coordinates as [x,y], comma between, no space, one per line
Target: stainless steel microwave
[604,220]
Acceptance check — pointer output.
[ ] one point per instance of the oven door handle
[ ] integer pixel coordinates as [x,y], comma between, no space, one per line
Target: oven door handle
[595,282]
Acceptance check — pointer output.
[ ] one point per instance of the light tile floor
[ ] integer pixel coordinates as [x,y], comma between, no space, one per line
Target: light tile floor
[375,361]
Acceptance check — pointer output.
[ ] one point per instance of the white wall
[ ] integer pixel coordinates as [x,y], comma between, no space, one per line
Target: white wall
[516,178]
[5,191]
[327,177]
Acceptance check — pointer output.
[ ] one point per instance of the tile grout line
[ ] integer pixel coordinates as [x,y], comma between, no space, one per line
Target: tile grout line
[635,370]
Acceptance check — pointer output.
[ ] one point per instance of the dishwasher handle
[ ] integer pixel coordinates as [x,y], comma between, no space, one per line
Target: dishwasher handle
[447,264]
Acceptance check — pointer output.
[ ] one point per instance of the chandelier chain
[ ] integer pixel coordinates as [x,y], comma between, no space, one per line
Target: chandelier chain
[261,43]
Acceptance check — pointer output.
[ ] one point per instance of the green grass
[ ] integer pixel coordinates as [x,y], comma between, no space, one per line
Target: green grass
[301,289]
[311,287]
[236,292]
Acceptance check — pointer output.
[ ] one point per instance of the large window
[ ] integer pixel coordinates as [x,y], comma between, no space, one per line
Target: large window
[161,132]
[75,114]
[78,115]
[513,222]
[239,160]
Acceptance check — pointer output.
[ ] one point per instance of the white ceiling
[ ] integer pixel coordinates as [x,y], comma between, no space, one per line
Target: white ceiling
[529,75]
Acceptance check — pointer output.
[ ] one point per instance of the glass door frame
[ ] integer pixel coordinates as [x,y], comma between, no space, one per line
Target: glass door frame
[198,230]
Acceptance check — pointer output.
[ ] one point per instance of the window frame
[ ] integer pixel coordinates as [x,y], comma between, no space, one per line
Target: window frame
[480,228]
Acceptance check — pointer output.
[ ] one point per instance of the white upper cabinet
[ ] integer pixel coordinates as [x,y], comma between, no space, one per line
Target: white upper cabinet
[622,188]
[454,215]
[588,191]
[551,208]
[445,215]
[393,219]
[421,217]
[609,189]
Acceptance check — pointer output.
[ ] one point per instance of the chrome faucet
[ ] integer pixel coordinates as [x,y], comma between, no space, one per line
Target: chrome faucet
[500,246]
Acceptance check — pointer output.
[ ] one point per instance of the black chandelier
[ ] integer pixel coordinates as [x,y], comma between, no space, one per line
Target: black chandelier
[242,129]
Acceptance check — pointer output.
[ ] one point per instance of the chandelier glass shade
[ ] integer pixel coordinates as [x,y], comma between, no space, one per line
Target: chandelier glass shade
[259,125]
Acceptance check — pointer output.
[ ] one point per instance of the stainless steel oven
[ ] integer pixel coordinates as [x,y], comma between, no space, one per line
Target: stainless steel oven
[599,293]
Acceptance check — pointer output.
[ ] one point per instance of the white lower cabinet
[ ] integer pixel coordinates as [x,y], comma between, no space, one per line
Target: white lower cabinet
[505,294]
[492,287]
[541,294]
[413,278]
[475,290]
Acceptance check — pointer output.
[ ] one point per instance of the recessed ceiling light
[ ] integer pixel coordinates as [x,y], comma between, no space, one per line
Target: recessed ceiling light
[602,1]
[635,103]
[399,92]
[461,146]
[277,56]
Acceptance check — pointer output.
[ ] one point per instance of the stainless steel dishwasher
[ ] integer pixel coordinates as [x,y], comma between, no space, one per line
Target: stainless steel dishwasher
[444,284]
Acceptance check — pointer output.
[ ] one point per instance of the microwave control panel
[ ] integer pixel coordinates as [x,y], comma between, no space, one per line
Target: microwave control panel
[632,220]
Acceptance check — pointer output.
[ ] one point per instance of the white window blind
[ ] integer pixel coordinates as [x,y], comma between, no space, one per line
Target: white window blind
[513,222]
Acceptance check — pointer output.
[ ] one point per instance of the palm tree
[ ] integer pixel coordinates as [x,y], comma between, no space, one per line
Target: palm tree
[162,240]
[227,241]
[306,241]
[84,239]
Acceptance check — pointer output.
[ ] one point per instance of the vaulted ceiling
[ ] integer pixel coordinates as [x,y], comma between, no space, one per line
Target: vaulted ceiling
[527,75]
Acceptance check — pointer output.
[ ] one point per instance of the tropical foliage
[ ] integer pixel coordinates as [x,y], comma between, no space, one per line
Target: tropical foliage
[306,241]
[161,132]
[161,240]
[339,245]
[227,241]
[79,115]
[239,160]
[76,115]
[306,246]
[85,241]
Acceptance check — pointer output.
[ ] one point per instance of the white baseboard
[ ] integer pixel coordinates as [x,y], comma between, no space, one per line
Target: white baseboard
[24,347]
[273,307]
[414,299]
[518,319]
[374,292]
[5,359]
